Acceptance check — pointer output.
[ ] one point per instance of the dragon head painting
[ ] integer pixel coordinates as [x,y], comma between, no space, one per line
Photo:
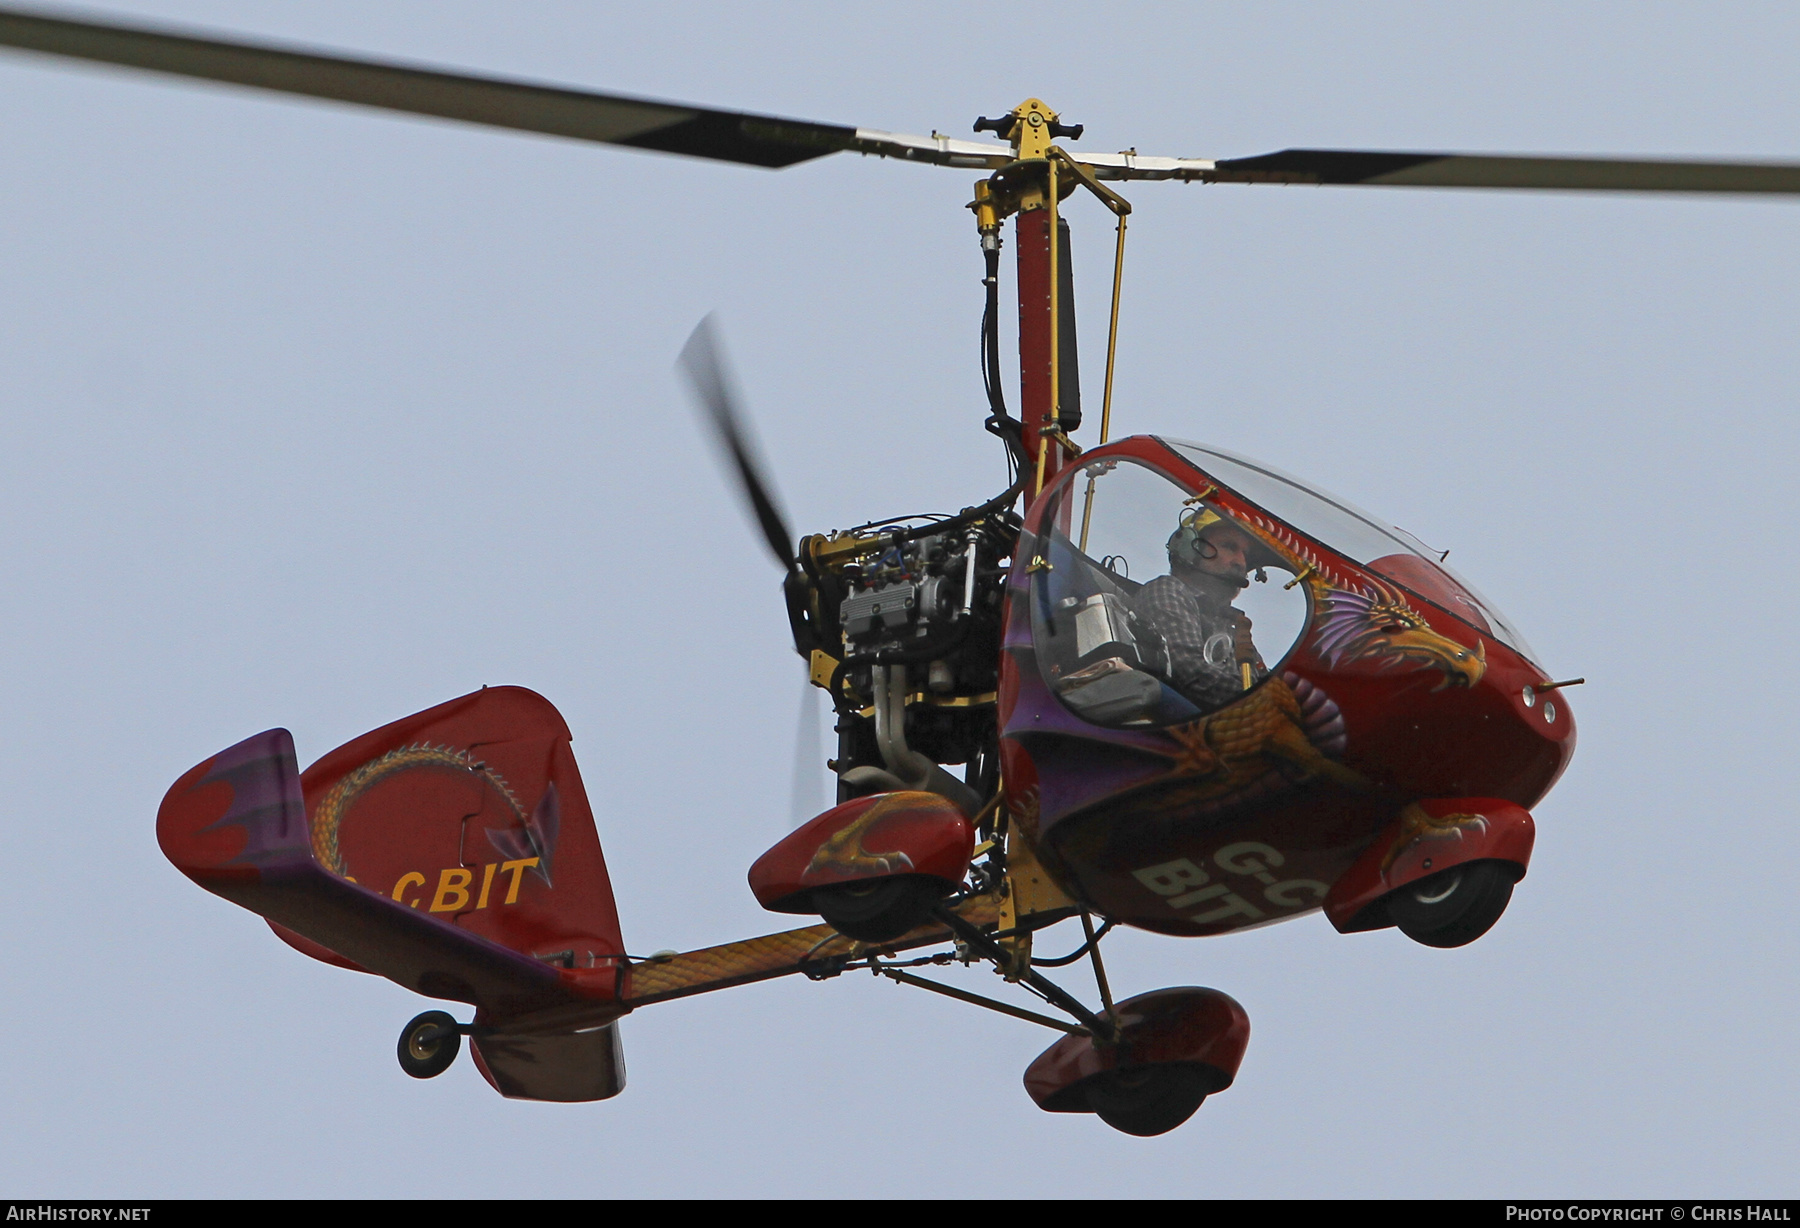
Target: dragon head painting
[1368,619]
[1374,620]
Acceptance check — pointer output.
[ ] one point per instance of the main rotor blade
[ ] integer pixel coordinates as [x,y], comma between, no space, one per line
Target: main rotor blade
[771,141]
[729,136]
[703,362]
[1433,170]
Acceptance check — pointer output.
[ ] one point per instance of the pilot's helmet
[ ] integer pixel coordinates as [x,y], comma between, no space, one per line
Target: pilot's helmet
[1188,547]
[1185,543]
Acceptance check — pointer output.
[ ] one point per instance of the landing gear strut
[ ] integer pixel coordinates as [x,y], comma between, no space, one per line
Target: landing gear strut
[429,1044]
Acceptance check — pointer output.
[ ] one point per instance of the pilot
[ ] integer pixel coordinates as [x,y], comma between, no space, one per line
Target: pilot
[1209,656]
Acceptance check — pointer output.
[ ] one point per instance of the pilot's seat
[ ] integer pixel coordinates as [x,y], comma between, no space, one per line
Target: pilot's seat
[1103,662]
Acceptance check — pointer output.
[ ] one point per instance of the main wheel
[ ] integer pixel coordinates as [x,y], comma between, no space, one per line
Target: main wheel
[429,1044]
[1453,907]
[1149,1100]
[878,909]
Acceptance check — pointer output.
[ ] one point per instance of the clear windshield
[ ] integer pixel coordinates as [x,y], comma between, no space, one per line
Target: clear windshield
[1389,552]
[1154,607]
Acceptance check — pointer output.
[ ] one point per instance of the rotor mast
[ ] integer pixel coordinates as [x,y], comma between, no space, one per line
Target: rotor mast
[1031,189]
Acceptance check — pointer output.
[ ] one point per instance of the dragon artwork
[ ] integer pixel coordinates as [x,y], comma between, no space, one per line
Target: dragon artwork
[533,837]
[1416,824]
[843,854]
[1286,732]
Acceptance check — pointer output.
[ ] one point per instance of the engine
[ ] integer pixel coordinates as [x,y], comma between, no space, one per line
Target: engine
[902,626]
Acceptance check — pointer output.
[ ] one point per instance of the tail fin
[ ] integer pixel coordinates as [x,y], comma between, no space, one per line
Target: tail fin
[452,852]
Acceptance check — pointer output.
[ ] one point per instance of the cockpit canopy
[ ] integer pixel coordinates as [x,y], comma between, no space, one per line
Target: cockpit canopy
[1152,604]
[1391,553]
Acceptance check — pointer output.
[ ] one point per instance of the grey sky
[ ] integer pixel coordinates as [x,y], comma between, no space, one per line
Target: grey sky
[315,417]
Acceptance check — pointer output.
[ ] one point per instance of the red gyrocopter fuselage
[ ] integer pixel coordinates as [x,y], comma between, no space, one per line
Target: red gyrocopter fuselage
[1390,726]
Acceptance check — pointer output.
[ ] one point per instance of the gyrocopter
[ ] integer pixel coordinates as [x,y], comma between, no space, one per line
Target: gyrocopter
[1183,691]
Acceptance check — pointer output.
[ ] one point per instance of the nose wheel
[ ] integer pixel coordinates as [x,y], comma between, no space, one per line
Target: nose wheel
[1454,907]
[429,1044]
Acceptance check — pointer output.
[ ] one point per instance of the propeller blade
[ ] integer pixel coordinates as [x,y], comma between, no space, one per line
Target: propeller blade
[703,362]
[729,136]
[806,795]
[1436,170]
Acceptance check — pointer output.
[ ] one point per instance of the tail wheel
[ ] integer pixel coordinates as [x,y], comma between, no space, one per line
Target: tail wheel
[429,1044]
[1454,907]
[878,909]
[1150,1100]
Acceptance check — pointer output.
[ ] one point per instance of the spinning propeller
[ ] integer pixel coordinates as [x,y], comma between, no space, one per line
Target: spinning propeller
[703,362]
